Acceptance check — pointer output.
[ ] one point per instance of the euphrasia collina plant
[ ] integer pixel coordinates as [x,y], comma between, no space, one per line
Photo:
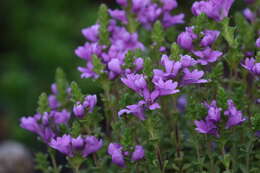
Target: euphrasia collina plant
[180,94]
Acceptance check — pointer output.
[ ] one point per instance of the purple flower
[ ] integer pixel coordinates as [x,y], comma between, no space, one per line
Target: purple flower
[235,116]
[62,144]
[172,69]
[54,89]
[53,102]
[115,66]
[169,5]
[138,153]
[206,127]
[139,62]
[30,123]
[252,66]
[88,71]
[191,77]
[186,38]
[115,150]
[249,15]
[78,110]
[88,50]
[90,102]
[92,144]
[210,36]
[91,33]
[207,56]
[122,2]
[169,20]
[258,42]
[119,15]
[214,112]
[215,9]
[165,87]
[77,143]
[136,109]
[61,117]
[182,103]
[187,61]
[250,1]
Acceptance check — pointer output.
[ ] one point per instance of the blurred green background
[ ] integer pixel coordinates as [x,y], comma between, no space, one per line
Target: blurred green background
[37,36]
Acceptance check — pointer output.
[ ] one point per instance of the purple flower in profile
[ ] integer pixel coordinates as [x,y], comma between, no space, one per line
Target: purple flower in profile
[115,150]
[78,110]
[182,103]
[214,112]
[235,117]
[88,50]
[53,102]
[138,153]
[92,144]
[192,77]
[169,5]
[88,71]
[258,42]
[91,33]
[136,109]
[61,117]
[187,61]
[172,68]
[249,15]
[210,36]
[186,38]
[90,102]
[165,87]
[77,143]
[62,144]
[119,15]
[30,123]
[207,56]
[169,20]
[115,65]
[122,2]
[251,65]
[139,62]
[206,127]
[215,9]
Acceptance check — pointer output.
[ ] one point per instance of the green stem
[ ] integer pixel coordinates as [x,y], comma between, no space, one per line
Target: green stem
[53,161]
[212,170]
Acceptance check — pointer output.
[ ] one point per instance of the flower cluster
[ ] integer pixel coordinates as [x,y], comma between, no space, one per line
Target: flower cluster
[47,125]
[206,55]
[147,12]
[215,9]
[208,126]
[163,83]
[117,153]
[72,146]
[113,56]
[88,104]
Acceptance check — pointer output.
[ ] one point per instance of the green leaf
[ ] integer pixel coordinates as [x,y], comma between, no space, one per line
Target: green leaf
[176,51]
[62,85]
[103,19]
[75,129]
[228,33]
[42,163]
[98,65]
[158,33]
[43,104]
[76,92]
[148,68]
[222,97]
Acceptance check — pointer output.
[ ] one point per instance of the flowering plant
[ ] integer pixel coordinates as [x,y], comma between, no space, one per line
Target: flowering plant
[179,95]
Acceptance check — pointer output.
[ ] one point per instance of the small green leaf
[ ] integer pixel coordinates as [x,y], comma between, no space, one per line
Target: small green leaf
[76,92]
[43,104]
[158,34]
[103,19]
